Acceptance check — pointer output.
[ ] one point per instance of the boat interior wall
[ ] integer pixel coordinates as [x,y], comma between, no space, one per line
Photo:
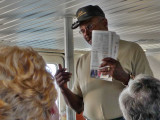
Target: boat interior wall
[154,61]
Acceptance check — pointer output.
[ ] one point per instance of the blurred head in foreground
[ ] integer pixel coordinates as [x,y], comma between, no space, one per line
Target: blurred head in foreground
[141,100]
[27,91]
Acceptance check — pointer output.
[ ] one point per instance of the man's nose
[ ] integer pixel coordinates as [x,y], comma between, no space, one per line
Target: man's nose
[86,32]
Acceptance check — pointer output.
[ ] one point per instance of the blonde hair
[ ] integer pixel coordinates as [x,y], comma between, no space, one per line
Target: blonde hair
[25,84]
[5,110]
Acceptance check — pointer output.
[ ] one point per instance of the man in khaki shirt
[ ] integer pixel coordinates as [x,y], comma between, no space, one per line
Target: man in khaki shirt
[98,99]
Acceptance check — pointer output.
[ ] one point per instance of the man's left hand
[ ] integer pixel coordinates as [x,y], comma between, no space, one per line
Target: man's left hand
[114,69]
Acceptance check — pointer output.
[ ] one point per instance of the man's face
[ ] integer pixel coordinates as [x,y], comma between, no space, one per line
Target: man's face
[94,23]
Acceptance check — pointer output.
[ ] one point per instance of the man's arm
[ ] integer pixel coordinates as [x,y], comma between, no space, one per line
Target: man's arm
[71,99]
[140,62]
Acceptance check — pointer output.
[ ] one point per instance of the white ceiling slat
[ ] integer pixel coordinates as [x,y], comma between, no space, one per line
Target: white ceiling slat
[39,23]
[25,25]
[12,8]
[9,3]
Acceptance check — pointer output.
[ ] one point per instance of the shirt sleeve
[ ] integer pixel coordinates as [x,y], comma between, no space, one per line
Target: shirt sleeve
[140,63]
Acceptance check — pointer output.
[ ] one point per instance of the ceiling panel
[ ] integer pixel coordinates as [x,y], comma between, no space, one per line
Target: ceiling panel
[40,23]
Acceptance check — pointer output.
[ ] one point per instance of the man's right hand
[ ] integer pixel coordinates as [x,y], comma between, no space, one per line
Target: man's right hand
[62,77]
[73,100]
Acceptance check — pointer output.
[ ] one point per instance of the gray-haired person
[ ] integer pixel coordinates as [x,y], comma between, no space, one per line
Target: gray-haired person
[141,100]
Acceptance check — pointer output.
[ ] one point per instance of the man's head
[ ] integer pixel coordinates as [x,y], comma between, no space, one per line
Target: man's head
[90,18]
[141,100]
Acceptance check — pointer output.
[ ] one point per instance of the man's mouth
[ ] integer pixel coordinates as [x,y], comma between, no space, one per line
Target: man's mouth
[89,39]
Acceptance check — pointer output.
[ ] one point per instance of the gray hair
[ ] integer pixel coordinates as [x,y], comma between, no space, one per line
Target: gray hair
[141,99]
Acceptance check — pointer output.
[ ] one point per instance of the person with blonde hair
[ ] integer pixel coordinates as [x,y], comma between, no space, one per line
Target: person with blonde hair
[4,111]
[27,91]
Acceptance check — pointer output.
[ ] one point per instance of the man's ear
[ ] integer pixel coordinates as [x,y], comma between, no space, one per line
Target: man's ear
[105,23]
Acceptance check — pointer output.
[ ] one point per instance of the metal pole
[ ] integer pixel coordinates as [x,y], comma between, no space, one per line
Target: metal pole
[69,59]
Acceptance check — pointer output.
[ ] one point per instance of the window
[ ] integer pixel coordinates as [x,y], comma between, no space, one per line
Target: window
[52,68]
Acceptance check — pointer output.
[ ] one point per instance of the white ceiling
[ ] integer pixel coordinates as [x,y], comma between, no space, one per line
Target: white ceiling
[40,24]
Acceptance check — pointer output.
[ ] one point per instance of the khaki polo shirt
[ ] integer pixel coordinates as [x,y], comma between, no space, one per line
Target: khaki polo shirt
[101,97]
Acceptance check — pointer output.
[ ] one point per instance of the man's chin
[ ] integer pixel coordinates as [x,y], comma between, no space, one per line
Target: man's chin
[90,42]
